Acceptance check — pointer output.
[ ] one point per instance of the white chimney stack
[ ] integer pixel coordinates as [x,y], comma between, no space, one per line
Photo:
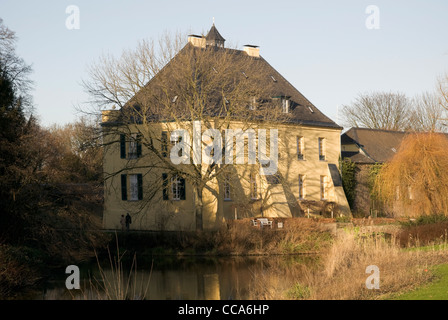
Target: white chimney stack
[251,50]
[197,41]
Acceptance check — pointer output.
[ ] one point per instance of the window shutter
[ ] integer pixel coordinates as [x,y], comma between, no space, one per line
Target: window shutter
[124,193]
[182,188]
[164,141]
[140,186]
[122,146]
[165,186]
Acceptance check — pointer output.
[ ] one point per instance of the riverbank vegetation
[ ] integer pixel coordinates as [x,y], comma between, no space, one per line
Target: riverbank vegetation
[341,271]
[50,190]
[236,237]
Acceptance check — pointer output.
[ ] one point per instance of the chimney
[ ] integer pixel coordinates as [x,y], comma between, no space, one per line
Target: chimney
[110,115]
[197,41]
[251,50]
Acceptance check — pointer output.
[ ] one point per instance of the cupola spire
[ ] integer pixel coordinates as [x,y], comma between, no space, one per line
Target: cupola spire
[214,38]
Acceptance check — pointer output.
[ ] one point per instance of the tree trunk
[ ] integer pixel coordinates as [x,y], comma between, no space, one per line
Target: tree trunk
[198,206]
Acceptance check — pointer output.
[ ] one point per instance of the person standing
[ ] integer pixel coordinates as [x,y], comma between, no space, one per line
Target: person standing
[128,221]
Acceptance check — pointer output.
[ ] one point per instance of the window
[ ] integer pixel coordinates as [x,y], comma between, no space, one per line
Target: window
[253,186]
[301,186]
[135,147]
[177,139]
[164,144]
[300,148]
[227,195]
[176,189]
[322,149]
[135,187]
[323,188]
[223,152]
[253,104]
[285,105]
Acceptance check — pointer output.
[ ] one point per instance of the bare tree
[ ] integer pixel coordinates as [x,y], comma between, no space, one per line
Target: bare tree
[14,68]
[72,153]
[442,95]
[395,111]
[428,113]
[379,110]
[177,86]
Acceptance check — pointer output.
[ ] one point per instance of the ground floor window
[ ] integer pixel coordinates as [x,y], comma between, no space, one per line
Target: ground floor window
[173,187]
[132,187]
[323,188]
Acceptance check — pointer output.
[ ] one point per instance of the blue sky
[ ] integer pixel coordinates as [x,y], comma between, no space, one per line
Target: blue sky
[322,47]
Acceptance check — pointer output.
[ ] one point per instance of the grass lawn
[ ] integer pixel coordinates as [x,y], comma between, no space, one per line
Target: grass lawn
[436,290]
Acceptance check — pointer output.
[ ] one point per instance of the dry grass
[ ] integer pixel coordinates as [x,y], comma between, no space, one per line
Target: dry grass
[116,284]
[341,272]
[239,237]
[424,234]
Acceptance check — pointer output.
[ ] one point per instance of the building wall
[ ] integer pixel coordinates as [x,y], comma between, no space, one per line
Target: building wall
[274,200]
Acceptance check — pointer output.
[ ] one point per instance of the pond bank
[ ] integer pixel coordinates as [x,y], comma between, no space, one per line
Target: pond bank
[299,236]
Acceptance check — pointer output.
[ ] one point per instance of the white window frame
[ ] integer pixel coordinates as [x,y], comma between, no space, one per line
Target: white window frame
[323,187]
[176,141]
[300,141]
[285,105]
[133,146]
[175,188]
[322,149]
[253,104]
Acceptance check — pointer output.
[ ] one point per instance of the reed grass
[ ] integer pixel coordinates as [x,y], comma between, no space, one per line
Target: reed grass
[117,282]
[341,271]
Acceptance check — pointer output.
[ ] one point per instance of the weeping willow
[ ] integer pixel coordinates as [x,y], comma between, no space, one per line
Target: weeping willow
[415,181]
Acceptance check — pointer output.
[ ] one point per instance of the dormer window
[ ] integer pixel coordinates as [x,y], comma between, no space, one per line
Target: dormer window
[285,105]
[253,104]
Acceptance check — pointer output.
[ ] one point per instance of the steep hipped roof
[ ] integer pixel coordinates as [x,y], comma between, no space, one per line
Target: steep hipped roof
[301,110]
[376,145]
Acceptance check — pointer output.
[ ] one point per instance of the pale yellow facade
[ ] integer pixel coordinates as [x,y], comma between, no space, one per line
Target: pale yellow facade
[231,195]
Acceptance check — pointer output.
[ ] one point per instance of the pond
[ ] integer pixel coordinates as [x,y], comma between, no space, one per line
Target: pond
[186,278]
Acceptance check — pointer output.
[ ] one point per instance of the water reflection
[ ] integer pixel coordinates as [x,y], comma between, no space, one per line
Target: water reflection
[188,278]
